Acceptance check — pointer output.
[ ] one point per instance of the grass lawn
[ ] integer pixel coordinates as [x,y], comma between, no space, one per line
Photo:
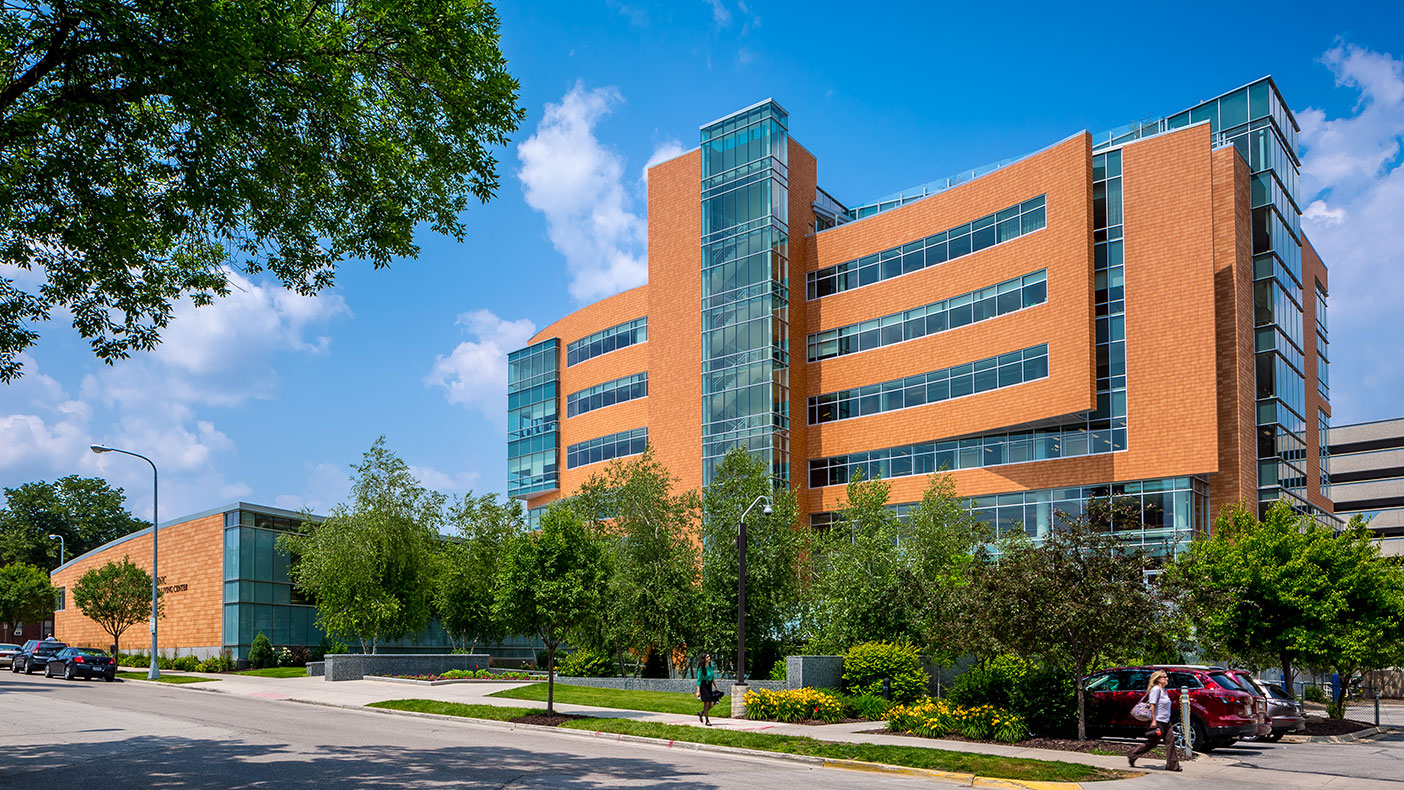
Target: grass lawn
[276,672]
[165,678]
[655,701]
[493,712]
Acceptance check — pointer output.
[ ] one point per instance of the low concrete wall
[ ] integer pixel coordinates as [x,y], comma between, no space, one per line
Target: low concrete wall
[316,669]
[354,666]
[680,685]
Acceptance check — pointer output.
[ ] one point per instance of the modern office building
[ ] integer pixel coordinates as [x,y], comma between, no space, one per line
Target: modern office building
[224,581]
[1126,313]
[1367,477]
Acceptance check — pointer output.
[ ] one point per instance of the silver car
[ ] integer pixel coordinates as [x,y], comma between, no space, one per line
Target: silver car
[1286,713]
[7,653]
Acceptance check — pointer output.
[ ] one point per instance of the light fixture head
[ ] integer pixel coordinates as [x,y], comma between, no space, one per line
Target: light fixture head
[765,511]
[55,537]
[97,448]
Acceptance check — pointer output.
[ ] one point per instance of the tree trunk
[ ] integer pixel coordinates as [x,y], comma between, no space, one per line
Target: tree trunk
[1287,684]
[550,678]
[1081,709]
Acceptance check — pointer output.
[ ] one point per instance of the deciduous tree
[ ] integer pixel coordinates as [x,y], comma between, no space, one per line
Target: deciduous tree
[85,511]
[116,596]
[549,583]
[371,564]
[466,588]
[25,593]
[151,147]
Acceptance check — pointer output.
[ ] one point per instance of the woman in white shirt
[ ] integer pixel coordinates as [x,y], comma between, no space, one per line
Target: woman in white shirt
[1159,699]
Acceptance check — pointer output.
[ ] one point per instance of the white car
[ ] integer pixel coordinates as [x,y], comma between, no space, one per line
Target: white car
[7,653]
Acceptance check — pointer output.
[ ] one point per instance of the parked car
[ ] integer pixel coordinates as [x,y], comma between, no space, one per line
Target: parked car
[81,662]
[1245,681]
[1221,712]
[7,653]
[1284,712]
[34,654]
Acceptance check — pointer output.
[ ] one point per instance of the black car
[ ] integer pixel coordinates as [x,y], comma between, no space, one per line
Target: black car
[35,654]
[81,662]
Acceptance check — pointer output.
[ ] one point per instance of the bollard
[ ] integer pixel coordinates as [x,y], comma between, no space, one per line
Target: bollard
[1186,725]
[1377,707]
[887,695]
[738,700]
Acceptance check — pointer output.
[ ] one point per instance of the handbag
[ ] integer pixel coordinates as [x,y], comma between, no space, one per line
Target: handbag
[1143,710]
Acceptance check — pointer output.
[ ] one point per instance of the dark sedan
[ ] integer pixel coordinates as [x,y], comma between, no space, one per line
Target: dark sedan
[81,662]
[34,654]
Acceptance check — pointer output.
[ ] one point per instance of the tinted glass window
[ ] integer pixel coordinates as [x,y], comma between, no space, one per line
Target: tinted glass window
[1135,680]
[1184,680]
[1225,681]
[1105,682]
[87,651]
[1277,693]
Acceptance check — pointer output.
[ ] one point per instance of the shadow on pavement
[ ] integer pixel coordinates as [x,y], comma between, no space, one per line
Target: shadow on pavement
[149,761]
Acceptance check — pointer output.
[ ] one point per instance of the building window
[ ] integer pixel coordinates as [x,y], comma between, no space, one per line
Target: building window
[60,599]
[605,448]
[607,394]
[997,372]
[607,340]
[970,308]
[987,231]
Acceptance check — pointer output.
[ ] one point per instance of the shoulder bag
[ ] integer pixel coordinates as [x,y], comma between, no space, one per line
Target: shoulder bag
[1143,710]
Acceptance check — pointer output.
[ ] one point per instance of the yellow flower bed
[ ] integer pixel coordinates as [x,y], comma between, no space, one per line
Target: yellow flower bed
[793,705]
[937,718]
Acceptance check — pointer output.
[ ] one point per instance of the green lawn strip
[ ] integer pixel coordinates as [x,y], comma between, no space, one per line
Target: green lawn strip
[492,712]
[908,756]
[625,699]
[165,678]
[276,672]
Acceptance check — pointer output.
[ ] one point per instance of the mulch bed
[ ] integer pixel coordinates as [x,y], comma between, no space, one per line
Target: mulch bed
[549,721]
[1117,747]
[1334,726]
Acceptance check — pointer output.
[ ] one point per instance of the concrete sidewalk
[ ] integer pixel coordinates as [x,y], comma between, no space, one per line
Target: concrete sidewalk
[1205,771]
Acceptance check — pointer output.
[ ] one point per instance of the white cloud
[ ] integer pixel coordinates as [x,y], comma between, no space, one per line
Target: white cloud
[474,374]
[662,152]
[721,15]
[1353,184]
[444,482]
[327,484]
[576,182]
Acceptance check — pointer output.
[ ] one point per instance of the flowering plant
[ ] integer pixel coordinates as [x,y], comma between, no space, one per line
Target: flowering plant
[793,705]
[937,718]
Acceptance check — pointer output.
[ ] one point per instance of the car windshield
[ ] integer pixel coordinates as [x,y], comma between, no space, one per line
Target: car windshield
[1105,682]
[89,651]
[8,646]
[51,646]
[1276,692]
[1225,681]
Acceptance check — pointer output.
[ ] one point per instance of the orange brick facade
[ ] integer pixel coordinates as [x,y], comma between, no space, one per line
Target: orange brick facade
[191,561]
[1189,325]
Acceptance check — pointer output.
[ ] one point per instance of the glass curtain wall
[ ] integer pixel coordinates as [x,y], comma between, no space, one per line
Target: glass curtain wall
[258,594]
[745,288]
[533,419]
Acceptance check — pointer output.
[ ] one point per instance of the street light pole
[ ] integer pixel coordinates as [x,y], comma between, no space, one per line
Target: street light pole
[61,547]
[154,673]
[741,587]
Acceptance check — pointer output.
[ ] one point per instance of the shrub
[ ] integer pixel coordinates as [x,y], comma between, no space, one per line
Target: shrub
[587,664]
[794,705]
[325,647]
[261,653]
[1314,694]
[186,664]
[1047,700]
[868,706]
[937,718]
[777,670]
[164,663]
[865,666]
[220,663]
[990,683]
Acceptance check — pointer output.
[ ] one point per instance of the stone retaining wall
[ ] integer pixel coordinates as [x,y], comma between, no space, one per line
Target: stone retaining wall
[354,666]
[680,685]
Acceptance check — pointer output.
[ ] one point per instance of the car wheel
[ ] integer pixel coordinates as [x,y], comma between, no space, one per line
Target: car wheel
[28,668]
[68,672]
[1273,738]
[48,673]
[110,678]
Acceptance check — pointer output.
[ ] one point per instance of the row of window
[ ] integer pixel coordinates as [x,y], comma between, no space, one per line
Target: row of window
[530,366]
[605,448]
[607,340]
[1085,437]
[1004,370]
[607,394]
[969,308]
[987,231]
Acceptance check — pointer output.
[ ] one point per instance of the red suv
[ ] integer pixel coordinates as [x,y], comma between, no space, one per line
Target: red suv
[1221,712]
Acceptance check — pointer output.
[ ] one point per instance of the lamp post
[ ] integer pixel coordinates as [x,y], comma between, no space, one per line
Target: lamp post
[61,546]
[741,587]
[155,672]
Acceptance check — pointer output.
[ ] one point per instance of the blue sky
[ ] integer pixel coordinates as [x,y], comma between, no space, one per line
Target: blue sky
[269,397]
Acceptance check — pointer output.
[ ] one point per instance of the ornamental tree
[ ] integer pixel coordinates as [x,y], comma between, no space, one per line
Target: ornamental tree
[371,565]
[465,589]
[549,582]
[116,596]
[1074,599]
[25,593]
[85,511]
[150,149]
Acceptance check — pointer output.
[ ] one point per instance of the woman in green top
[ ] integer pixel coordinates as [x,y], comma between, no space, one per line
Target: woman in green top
[706,688]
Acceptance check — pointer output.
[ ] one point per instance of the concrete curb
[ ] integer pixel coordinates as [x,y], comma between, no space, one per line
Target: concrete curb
[1350,737]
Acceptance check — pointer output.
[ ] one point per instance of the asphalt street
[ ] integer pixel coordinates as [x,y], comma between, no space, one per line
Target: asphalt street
[139,735]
